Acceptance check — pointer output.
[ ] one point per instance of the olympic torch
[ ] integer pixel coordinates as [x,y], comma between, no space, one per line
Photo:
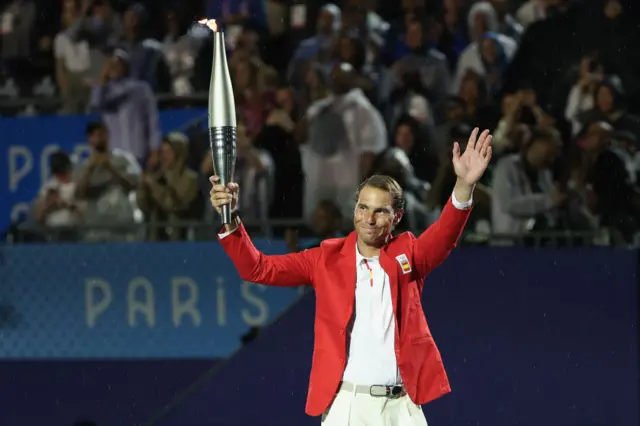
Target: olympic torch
[222,115]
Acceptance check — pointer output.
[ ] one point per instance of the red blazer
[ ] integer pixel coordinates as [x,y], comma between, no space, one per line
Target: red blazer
[331,270]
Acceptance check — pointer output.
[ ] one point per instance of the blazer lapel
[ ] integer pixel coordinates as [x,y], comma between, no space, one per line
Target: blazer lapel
[347,266]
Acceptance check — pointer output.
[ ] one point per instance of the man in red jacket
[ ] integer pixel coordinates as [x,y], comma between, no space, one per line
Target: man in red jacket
[374,360]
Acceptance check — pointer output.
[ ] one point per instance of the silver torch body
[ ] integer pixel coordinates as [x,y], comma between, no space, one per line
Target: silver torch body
[222,119]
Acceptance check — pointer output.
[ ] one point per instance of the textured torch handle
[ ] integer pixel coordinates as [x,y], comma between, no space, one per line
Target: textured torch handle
[222,141]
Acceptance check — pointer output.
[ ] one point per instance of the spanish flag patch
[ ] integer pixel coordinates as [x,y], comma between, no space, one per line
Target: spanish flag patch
[404,263]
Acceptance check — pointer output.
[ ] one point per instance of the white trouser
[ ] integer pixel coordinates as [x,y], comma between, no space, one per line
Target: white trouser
[358,409]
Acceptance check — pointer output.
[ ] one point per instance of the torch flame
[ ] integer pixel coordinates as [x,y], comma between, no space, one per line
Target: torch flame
[211,23]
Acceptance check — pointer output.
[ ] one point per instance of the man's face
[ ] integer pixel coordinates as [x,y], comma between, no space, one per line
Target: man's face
[374,217]
[116,68]
[469,88]
[168,155]
[325,22]
[543,154]
[98,140]
[404,137]
[604,99]
[346,49]
[130,20]
[284,99]
[489,50]
[480,26]
[414,35]
[69,10]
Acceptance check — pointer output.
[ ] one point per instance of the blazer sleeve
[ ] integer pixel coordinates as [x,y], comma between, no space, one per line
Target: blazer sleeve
[288,270]
[434,245]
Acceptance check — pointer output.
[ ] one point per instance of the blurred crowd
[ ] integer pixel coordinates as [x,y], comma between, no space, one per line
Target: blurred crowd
[377,88]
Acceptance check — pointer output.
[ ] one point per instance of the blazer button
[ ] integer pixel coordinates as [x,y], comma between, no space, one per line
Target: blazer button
[342,332]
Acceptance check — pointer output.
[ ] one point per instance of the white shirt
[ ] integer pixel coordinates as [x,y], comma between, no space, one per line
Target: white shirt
[372,356]
[75,55]
[371,346]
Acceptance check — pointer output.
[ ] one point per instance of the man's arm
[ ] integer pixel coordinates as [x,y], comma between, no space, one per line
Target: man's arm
[108,95]
[288,270]
[434,245]
[126,181]
[85,189]
[153,118]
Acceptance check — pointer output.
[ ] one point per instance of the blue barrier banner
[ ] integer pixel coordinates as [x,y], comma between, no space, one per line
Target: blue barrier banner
[28,142]
[169,300]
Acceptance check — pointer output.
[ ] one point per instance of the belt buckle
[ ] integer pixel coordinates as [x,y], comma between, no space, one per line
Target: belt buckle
[391,392]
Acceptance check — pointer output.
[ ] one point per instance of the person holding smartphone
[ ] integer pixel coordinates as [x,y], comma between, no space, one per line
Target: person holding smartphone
[56,205]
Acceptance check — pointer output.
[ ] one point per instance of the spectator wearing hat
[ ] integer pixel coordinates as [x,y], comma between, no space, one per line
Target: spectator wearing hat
[129,110]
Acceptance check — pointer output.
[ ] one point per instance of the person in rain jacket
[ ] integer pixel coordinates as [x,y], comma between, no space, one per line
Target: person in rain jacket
[169,194]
